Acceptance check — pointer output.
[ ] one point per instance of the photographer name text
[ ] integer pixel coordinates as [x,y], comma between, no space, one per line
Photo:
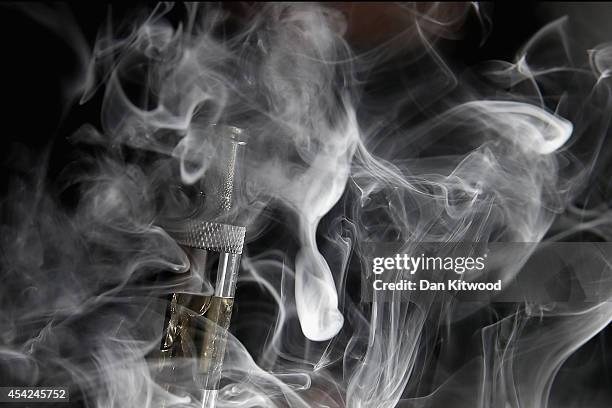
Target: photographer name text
[403,264]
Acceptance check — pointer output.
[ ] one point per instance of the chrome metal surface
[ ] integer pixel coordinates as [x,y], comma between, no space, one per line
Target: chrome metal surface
[211,236]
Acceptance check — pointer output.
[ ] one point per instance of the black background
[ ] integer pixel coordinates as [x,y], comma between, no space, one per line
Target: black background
[38,115]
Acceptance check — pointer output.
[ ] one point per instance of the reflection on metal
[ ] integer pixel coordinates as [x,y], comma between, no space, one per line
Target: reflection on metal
[197,328]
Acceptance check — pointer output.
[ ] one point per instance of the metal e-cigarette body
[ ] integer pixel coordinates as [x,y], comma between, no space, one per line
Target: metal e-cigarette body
[196,324]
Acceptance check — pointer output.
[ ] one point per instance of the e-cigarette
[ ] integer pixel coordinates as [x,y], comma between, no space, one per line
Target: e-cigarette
[196,324]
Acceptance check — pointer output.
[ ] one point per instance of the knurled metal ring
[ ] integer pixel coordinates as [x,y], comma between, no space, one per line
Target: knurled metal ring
[211,236]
